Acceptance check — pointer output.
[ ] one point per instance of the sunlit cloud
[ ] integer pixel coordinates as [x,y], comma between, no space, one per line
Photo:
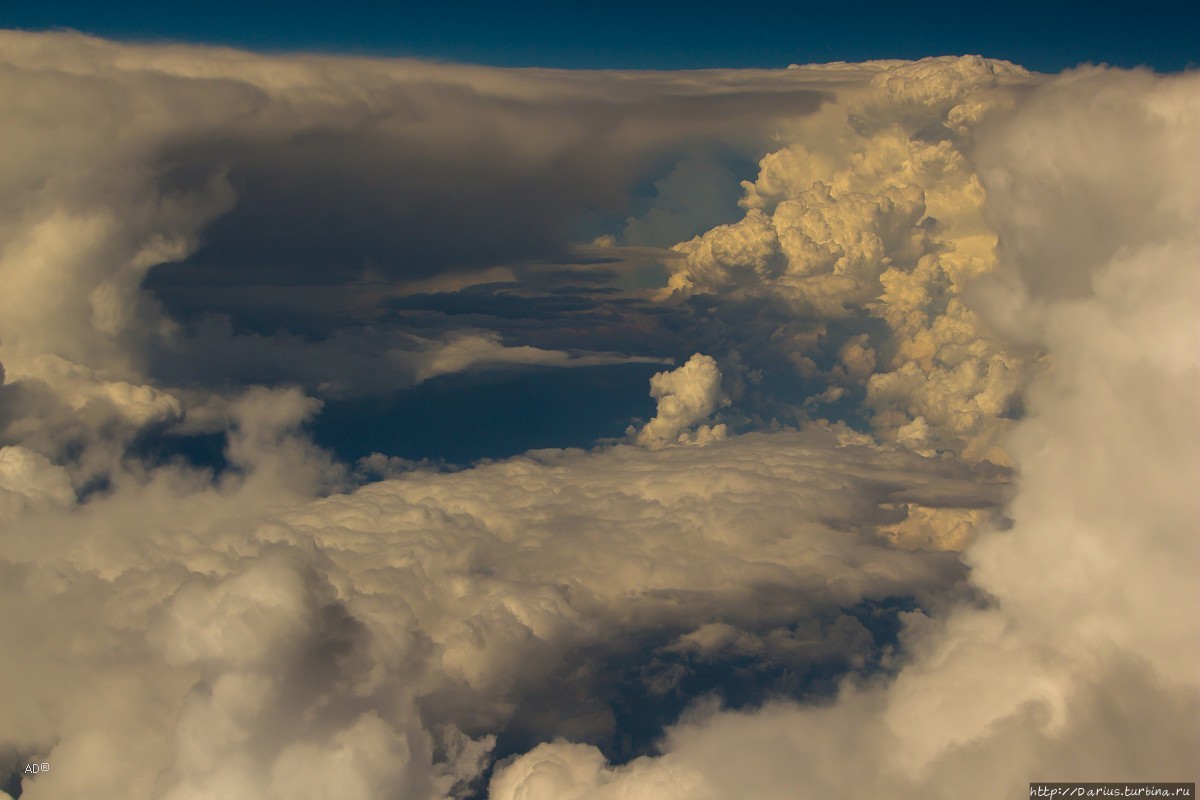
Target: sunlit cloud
[904,506]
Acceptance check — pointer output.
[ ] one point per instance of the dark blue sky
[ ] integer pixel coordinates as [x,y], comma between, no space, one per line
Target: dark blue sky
[1042,36]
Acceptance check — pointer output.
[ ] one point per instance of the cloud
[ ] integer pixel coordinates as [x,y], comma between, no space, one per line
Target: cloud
[192,220]
[1080,662]
[31,481]
[872,212]
[466,350]
[326,168]
[359,360]
[268,633]
[685,396]
[696,195]
[940,267]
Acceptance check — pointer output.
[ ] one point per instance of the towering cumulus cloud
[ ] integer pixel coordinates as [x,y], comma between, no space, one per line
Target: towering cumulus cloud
[873,214]
[913,515]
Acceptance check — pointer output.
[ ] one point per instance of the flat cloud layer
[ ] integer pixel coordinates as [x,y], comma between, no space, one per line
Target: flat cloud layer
[397,620]
[812,570]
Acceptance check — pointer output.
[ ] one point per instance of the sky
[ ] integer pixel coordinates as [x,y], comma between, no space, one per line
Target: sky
[378,420]
[1046,37]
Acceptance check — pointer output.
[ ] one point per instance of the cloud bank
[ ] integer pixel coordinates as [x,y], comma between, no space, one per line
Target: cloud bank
[1079,663]
[913,515]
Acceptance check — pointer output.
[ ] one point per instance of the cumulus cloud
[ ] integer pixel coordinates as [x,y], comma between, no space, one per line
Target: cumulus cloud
[30,480]
[207,243]
[872,212]
[1080,663]
[685,396]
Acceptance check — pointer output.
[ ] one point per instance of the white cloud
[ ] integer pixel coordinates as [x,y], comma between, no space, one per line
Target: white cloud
[265,632]
[872,209]
[465,350]
[685,396]
[30,480]
[1085,660]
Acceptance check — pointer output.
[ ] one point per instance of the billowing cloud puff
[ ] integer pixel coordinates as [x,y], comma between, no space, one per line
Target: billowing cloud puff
[29,479]
[874,211]
[828,252]
[685,397]
[941,84]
